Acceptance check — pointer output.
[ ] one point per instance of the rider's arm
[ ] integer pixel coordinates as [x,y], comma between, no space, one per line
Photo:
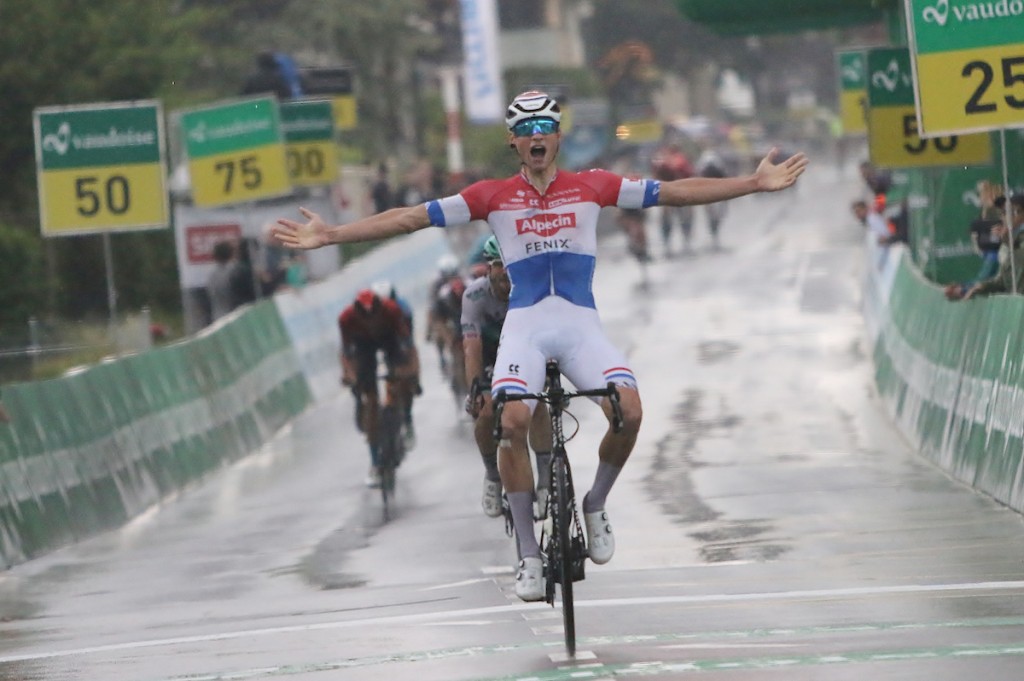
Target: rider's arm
[768,177]
[473,351]
[315,233]
[472,344]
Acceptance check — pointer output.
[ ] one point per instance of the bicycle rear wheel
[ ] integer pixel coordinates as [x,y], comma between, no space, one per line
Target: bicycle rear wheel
[389,453]
[562,525]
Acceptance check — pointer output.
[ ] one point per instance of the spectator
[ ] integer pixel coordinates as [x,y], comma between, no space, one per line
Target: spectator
[277,74]
[1008,278]
[244,282]
[878,181]
[873,220]
[670,163]
[711,164]
[218,285]
[273,262]
[878,228]
[4,418]
[380,192]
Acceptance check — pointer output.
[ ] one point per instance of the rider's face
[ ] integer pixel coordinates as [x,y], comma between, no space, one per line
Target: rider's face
[538,150]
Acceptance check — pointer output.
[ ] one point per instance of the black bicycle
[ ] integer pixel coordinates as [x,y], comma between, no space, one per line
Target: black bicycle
[564,549]
[390,444]
[389,435]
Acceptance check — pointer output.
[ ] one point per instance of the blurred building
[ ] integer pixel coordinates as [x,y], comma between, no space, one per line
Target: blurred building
[542,32]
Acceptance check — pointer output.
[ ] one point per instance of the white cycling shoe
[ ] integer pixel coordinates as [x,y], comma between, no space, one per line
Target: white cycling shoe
[600,539]
[530,580]
[491,499]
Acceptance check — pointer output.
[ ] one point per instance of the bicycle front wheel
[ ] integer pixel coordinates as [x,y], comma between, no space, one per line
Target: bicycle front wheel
[562,522]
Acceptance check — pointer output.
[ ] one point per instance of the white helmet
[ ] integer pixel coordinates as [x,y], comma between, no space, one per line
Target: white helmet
[448,265]
[383,288]
[532,104]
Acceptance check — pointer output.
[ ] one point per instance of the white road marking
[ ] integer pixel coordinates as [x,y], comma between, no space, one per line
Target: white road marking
[427,617]
[497,570]
[465,582]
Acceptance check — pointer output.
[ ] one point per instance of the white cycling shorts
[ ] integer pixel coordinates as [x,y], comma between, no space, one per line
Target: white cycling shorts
[554,328]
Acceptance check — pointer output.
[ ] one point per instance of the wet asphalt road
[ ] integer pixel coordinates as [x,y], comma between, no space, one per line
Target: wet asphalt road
[771,525]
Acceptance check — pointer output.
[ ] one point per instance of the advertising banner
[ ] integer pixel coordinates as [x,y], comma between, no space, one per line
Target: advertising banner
[484,93]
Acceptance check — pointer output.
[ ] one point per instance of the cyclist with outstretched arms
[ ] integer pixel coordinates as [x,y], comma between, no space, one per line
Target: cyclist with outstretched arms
[545,220]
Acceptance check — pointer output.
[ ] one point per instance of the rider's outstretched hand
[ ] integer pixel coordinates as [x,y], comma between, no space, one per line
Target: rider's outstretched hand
[311,234]
[771,176]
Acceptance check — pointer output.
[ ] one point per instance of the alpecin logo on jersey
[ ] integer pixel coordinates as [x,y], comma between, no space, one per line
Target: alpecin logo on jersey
[546,224]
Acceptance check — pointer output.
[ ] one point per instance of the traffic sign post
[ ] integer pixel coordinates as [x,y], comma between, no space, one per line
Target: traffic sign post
[968,66]
[853,95]
[100,168]
[894,140]
[235,152]
[311,151]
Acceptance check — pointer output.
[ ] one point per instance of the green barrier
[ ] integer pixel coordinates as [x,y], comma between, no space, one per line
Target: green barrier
[40,506]
[952,376]
[89,451]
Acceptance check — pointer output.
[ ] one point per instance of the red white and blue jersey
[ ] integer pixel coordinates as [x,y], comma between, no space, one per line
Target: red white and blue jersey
[548,241]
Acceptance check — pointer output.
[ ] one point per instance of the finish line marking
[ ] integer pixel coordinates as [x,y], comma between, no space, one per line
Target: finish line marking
[494,610]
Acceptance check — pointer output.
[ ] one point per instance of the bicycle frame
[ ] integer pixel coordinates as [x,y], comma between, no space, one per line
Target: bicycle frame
[564,550]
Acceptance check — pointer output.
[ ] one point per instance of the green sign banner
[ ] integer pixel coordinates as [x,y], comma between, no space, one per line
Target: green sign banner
[101,135]
[852,70]
[228,128]
[890,80]
[307,121]
[948,25]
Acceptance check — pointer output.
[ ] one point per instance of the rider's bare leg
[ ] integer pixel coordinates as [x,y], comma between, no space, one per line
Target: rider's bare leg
[483,433]
[370,403]
[615,447]
[540,443]
[517,475]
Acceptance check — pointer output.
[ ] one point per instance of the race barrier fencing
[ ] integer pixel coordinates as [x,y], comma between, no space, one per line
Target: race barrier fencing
[951,374]
[88,451]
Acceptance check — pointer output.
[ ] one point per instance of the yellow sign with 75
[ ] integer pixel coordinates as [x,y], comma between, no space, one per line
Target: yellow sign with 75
[236,152]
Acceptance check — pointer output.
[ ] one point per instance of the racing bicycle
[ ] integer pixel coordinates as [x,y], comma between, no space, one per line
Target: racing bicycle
[563,540]
[389,433]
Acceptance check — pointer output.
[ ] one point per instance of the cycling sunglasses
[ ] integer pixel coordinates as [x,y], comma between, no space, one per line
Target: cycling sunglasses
[532,126]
